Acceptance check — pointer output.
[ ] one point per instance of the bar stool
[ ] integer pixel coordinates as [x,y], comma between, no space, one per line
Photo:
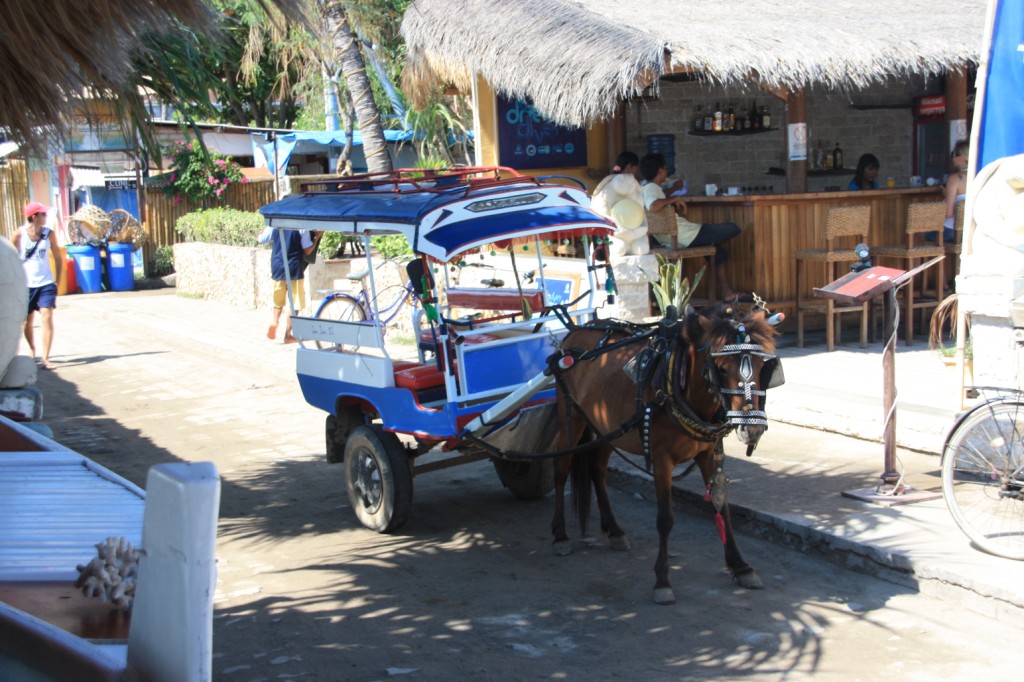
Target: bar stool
[921,218]
[850,223]
[663,223]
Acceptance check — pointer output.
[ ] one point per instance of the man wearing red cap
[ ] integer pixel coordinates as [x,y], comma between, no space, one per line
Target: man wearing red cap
[35,242]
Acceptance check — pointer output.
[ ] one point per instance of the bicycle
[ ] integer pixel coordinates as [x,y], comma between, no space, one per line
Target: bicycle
[342,306]
[983,472]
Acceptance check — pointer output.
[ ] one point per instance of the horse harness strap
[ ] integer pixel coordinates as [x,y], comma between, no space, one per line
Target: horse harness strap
[657,364]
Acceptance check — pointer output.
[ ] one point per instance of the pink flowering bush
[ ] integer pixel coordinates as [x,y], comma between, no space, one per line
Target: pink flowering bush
[199,175]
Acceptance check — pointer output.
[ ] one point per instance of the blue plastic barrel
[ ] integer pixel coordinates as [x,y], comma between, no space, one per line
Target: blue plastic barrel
[120,270]
[88,268]
[666,146]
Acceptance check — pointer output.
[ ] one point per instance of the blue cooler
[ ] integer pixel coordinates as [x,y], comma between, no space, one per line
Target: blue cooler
[88,270]
[120,271]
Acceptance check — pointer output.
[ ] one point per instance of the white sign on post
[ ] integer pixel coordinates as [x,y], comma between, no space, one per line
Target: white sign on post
[796,137]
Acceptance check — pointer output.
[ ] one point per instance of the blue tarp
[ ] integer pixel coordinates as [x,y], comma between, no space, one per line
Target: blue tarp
[1001,124]
[286,143]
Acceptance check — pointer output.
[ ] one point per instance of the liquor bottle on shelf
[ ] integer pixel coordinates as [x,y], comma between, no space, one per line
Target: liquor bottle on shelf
[755,116]
[709,120]
[698,118]
[837,157]
[717,124]
[766,118]
[732,117]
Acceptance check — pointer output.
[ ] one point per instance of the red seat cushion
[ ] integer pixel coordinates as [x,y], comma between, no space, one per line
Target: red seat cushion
[418,377]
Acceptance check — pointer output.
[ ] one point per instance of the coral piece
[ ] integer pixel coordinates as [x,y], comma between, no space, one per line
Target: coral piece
[110,576]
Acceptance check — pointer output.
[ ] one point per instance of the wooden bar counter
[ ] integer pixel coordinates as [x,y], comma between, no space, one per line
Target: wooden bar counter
[775,226]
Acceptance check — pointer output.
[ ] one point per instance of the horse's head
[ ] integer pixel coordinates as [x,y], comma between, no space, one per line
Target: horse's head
[740,366]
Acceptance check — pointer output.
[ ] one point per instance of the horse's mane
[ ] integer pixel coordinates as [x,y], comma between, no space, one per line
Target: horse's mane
[723,329]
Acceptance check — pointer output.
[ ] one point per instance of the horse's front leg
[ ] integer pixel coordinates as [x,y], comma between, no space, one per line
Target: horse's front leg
[711,469]
[560,543]
[663,593]
[609,526]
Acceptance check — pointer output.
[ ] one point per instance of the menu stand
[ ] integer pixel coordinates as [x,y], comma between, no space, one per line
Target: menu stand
[855,288]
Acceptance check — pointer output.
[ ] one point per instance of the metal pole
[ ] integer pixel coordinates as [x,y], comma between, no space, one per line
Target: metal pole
[890,477]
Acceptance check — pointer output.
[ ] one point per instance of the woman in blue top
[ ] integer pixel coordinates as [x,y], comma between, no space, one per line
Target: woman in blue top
[867,171]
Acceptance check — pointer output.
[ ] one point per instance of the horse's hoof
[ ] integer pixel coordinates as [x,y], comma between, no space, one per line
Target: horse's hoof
[664,595]
[562,547]
[749,579]
[620,543]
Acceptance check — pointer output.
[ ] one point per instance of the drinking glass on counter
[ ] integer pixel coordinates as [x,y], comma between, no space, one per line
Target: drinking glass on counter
[890,182]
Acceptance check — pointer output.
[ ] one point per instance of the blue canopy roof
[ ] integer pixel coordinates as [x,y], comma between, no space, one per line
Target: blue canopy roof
[442,222]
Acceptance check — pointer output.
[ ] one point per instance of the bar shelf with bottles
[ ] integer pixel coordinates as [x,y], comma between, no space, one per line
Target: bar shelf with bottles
[721,121]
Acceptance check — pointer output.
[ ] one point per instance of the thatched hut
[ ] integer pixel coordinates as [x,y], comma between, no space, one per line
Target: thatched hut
[813,76]
[578,62]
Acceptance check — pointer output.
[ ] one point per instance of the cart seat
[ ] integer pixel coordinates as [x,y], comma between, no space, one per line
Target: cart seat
[495,299]
[416,377]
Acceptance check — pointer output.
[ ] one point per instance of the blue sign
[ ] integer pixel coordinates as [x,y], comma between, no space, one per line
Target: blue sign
[527,141]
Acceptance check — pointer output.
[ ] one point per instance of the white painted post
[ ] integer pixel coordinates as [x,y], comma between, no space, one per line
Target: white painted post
[171,635]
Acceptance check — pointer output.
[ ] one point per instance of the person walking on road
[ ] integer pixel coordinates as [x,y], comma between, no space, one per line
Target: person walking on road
[298,245]
[34,242]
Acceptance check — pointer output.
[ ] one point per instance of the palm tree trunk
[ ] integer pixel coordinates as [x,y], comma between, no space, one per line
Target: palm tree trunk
[346,51]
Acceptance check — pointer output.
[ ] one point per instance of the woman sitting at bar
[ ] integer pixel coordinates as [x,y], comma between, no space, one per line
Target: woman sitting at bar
[956,187]
[654,172]
[867,171]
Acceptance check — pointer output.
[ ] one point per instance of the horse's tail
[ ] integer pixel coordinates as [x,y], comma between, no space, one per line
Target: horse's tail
[582,473]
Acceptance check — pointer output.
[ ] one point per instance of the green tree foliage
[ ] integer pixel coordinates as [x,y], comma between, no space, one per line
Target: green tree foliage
[251,67]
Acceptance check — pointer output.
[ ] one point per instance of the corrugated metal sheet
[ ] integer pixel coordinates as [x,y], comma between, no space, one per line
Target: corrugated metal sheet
[54,507]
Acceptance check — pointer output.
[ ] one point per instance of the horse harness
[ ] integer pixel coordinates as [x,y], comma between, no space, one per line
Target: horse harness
[662,365]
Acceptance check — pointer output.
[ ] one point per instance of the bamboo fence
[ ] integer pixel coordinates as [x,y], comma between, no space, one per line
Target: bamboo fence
[13,195]
[162,211]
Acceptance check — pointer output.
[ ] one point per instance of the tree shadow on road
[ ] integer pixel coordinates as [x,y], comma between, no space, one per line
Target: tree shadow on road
[470,583]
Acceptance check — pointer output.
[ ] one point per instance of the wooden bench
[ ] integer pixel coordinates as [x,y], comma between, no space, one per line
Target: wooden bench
[495,299]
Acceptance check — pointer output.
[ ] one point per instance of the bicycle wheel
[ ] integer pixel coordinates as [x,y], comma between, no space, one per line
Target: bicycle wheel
[982,478]
[341,308]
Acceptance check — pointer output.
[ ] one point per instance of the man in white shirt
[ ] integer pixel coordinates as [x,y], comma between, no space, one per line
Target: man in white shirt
[689,234]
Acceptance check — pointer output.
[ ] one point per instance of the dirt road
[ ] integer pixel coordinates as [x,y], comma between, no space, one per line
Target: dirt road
[469,588]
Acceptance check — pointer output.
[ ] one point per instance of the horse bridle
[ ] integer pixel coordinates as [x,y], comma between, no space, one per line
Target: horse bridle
[771,376]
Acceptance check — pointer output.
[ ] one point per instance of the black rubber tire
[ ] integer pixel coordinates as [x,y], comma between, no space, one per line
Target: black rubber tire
[983,477]
[527,480]
[344,308]
[378,478]
[337,428]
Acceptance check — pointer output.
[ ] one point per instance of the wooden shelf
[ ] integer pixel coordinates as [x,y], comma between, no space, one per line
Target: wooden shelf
[731,133]
[830,172]
[885,105]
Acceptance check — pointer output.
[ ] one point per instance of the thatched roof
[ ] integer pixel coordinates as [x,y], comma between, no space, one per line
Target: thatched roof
[53,50]
[577,58]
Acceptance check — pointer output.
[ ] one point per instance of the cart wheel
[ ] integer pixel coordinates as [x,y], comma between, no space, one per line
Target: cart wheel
[527,480]
[378,478]
[337,428]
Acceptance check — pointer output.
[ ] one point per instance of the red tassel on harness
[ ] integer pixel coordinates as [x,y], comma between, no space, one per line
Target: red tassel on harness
[707,493]
[720,526]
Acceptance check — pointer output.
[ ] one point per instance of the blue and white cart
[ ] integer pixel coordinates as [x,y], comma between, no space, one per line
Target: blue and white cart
[482,351]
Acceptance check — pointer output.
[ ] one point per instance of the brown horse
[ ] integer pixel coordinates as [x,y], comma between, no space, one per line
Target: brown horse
[686,384]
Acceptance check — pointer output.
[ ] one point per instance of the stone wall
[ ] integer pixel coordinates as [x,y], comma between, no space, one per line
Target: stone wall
[742,161]
[241,275]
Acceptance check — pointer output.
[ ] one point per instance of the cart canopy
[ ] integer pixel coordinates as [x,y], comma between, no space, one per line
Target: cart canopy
[442,212]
